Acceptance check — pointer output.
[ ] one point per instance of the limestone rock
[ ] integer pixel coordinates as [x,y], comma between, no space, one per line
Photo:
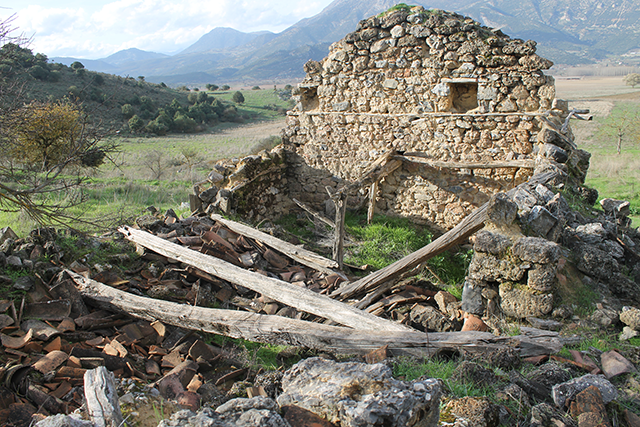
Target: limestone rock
[502,210]
[550,374]
[543,415]
[616,207]
[592,233]
[541,277]
[630,316]
[472,296]
[61,420]
[595,262]
[541,220]
[522,303]
[535,249]
[493,269]
[479,412]
[565,391]
[258,411]
[492,243]
[427,318]
[356,394]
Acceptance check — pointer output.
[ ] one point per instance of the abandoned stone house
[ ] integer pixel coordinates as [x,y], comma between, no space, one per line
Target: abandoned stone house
[468,109]
[462,112]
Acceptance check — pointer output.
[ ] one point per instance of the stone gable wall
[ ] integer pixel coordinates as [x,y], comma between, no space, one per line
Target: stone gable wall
[427,82]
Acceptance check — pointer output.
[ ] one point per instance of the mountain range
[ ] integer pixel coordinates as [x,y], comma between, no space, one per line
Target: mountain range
[567,31]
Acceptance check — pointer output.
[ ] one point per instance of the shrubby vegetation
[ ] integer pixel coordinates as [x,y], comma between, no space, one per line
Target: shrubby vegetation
[45,145]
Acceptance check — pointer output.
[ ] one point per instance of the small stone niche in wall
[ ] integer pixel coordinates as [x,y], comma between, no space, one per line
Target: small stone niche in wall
[464,96]
[309,98]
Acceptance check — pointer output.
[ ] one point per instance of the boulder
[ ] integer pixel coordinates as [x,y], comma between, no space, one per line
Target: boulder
[520,303]
[536,249]
[356,394]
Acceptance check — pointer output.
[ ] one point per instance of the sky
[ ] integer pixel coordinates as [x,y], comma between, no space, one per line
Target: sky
[95,29]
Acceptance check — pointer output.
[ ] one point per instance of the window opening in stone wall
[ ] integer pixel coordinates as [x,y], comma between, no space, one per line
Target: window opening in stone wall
[464,97]
[309,98]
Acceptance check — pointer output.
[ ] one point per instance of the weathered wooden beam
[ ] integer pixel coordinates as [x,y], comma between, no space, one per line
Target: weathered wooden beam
[417,158]
[386,164]
[301,255]
[314,213]
[340,201]
[101,398]
[468,226]
[285,331]
[279,290]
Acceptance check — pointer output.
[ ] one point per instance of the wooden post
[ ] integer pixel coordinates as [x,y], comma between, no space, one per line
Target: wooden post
[340,200]
[373,193]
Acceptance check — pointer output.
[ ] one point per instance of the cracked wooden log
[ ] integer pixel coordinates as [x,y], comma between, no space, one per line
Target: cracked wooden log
[286,331]
[101,398]
[301,255]
[281,291]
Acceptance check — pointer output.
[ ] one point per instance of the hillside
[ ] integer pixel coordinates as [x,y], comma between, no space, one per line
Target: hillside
[567,33]
[113,103]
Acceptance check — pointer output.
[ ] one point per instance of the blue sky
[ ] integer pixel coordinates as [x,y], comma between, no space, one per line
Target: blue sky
[97,28]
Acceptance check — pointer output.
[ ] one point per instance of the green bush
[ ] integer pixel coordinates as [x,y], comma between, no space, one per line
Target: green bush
[238,97]
[128,111]
[135,123]
[39,72]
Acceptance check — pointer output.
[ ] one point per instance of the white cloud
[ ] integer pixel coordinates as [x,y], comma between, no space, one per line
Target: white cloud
[99,28]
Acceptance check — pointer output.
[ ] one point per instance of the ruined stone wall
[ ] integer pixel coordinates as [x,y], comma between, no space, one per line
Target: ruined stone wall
[427,82]
[468,109]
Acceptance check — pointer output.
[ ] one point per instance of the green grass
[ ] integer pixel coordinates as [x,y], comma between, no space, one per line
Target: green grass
[256,355]
[615,176]
[258,105]
[384,241]
[388,239]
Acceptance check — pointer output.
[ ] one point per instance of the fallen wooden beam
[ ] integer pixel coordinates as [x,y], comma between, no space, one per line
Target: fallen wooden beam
[303,256]
[468,226]
[314,213]
[281,291]
[286,331]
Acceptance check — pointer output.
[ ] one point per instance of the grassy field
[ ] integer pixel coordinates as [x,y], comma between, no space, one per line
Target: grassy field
[613,175]
[160,171]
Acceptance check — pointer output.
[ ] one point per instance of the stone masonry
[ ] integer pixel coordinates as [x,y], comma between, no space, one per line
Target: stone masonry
[469,110]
